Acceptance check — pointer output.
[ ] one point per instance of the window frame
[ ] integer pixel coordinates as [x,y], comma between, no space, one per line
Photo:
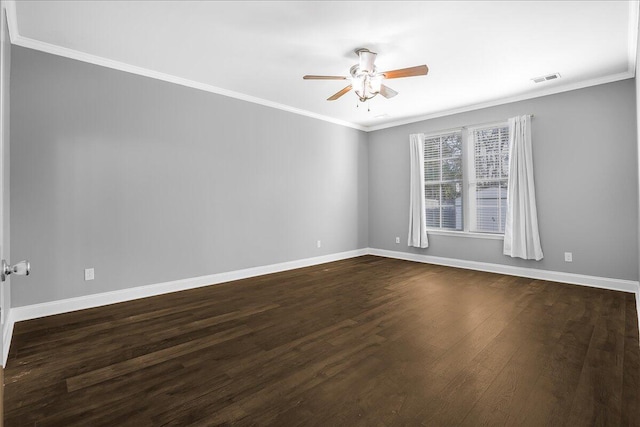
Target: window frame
[468,168]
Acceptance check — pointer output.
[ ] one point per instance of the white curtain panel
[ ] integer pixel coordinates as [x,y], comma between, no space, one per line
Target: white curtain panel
[521,237]
[417,207]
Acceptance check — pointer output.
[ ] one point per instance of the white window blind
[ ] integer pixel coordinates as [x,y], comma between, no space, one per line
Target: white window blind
[489,172]
[443,180]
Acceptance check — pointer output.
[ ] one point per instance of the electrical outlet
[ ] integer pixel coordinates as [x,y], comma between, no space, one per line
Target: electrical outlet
[568,257]
[397,240]
[319,244]
[89,274]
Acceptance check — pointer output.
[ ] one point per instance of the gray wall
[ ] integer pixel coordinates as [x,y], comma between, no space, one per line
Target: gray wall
[586,176]
[148,181]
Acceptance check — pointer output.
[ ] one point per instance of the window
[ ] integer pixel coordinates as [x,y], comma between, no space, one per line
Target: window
[489,172]
[443,180]
[466,177]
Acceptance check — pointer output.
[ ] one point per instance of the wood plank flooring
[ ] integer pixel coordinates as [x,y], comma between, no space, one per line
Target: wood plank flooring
[367,341]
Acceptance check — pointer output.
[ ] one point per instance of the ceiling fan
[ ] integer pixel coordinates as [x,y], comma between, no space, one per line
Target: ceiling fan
[366,80]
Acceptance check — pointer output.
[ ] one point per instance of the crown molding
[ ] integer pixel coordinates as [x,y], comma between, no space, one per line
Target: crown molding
[18,40]
[500,101]
[27,42]
[128,68]
[632,50]
[12,20]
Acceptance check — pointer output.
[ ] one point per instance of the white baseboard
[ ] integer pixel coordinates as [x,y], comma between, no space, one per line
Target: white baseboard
[35,311]
[533,273]
[638,309]
[96,300]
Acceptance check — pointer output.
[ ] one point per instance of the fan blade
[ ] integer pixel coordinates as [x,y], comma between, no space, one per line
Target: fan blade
[387,92]
[420,70]
[339,94]
[324,78]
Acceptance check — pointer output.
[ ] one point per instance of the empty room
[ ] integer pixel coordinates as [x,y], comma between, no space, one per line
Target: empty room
[319,213]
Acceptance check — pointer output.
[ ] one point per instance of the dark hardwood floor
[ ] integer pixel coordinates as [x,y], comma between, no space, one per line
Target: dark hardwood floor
[362,342]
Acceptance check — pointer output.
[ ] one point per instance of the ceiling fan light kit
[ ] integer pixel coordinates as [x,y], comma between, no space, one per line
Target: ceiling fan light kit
[365,79]
[366,84]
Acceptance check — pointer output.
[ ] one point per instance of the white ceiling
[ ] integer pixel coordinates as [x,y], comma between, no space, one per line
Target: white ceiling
[479,53]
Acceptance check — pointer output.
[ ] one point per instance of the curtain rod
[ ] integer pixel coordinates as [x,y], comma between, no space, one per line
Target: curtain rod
[490,123]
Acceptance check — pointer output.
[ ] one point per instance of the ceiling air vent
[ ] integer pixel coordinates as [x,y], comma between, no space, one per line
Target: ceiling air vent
[546,78]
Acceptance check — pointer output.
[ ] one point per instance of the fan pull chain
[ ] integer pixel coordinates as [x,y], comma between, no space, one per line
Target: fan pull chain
[368,106]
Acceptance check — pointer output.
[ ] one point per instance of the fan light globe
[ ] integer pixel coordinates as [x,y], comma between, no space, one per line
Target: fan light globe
[375,82]
[366,84]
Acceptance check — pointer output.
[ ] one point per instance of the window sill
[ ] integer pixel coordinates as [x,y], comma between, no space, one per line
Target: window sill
[466,234]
